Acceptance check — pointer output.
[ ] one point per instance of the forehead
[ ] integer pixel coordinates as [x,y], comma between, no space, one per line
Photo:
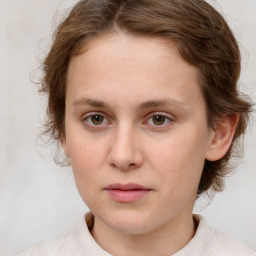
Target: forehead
[132,65]
[131,49]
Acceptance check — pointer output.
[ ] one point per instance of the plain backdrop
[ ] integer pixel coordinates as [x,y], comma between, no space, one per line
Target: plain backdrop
[38,200]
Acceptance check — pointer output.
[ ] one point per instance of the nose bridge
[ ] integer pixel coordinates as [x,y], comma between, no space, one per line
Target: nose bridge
[125,152]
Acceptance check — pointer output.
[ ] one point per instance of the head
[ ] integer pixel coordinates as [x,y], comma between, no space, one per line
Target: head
[198,39]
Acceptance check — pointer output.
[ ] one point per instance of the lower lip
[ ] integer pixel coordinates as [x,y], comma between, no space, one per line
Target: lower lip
[127,196]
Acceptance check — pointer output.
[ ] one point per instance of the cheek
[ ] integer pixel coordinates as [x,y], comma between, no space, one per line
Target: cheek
[179,162]
[87,159]
[86,153]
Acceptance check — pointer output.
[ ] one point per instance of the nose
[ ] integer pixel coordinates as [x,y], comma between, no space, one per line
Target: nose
[125,152]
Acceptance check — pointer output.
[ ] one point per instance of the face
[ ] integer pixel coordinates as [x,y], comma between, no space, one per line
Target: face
[135,114]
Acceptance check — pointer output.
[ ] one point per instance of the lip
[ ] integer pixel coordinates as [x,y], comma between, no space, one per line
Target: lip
[127,193]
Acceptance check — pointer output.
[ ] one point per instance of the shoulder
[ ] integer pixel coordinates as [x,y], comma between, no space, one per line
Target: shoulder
[78,242]
[224,244]
[220,243]
[63,245]
[57,246]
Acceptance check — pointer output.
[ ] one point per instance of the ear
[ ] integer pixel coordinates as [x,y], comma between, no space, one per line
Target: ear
[64,146]
[222,137]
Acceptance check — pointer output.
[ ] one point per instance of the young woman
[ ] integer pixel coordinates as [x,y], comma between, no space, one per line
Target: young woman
[143,99]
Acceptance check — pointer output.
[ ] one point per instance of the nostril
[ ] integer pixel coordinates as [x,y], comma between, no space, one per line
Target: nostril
[125,158]
[124,166]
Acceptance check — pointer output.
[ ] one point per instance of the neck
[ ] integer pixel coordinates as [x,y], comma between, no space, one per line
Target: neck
[166,240]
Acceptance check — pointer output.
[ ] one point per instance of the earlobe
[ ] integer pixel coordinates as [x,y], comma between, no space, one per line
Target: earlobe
[222,137]
[64,146]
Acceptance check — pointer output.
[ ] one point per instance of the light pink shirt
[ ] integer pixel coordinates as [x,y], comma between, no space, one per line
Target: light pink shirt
[79,242]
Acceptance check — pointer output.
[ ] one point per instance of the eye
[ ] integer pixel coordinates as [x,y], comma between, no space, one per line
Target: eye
[159,120]
[96,120]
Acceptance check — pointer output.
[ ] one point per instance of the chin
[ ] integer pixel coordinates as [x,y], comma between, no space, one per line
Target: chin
[131,228]
[128,223]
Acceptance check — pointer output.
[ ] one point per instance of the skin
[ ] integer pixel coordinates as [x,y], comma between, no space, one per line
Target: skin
[114,77]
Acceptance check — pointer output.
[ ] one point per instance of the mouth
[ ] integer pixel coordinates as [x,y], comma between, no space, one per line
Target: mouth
[127,193]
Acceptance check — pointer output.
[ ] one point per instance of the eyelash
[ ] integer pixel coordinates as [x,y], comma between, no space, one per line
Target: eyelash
[166,118]
[90,124]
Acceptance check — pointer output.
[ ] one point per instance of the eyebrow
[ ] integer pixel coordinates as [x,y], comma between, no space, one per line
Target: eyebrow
[91,102]
[161,103]
[144,105]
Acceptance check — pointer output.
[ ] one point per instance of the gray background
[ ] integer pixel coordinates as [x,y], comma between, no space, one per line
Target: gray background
[38,200]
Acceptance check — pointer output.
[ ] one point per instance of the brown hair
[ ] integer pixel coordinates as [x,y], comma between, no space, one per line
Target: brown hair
[202,37]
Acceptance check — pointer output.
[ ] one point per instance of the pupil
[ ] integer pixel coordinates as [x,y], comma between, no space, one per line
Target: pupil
[158,120]
[97,119]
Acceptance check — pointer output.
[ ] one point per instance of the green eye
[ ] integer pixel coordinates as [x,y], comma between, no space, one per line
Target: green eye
[158,120]
[97,119]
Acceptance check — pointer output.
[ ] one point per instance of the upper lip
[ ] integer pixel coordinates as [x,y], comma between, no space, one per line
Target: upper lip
[128,186]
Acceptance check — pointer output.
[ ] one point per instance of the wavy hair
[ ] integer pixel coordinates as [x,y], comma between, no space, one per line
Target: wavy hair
[202,37]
